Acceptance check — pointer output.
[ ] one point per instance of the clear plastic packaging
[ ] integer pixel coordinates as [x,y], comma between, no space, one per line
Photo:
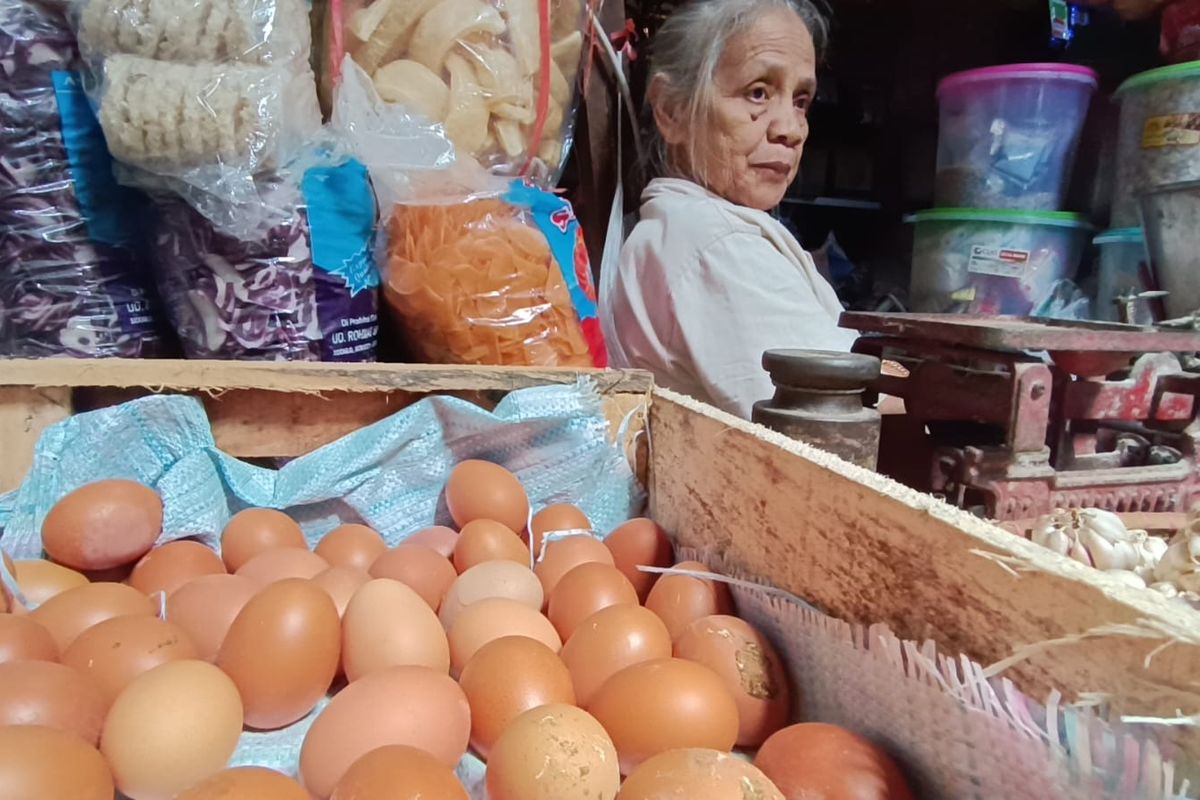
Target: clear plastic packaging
[71,280]
[993,262]
[202,97]
[495,77]
[1123,269]
[1008,135]
[500,280]
[306,291]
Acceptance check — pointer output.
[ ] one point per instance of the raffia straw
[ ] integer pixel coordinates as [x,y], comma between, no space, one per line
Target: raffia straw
[1011,564]
[1142,630]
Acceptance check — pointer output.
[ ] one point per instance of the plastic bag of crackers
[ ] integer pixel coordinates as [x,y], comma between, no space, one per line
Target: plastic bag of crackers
[496,77]
[501,280]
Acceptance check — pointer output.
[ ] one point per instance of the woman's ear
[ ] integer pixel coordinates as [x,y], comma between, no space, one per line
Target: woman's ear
[666,114]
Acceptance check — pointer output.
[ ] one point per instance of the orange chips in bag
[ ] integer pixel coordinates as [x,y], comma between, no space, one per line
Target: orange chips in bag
[479,283]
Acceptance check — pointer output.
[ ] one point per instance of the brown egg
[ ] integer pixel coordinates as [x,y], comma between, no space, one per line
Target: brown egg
[750,669]
[74,611]
[282,652]
[117,650]
[24,639]
[564,555]
[103,525]
[552,753]
[255,531]
[484,540]
[413,706]
[397,772]
[561,518]
[680,600]
[491,579]
[40,580]
[505,679]
[387,624]
[166,568]
[246,783]
[281,564]
[439,537]
[354,546]
[421,568]
[482,490]
[38,763]
[340,583]
[608,642]
[171,728]
[679,704]
[205,608]
[640,543]
[53,695]
[698,773]
[585,590]
[495,618]
[825,761]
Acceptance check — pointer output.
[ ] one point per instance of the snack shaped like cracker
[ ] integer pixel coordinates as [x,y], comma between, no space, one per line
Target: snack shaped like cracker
[499,75]
[384,29]
[509,135]
[467,116]
[448,23]
[414,86]
[566,52]
[522,17]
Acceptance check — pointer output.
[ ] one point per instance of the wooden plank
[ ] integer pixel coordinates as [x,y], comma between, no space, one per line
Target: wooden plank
[24,413]
[305,376]
[867,550]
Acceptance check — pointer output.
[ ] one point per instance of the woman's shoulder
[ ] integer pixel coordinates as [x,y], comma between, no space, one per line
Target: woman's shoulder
[688,209]
[680,220]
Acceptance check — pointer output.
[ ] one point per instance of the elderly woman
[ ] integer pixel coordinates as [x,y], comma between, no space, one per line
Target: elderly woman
[708,280]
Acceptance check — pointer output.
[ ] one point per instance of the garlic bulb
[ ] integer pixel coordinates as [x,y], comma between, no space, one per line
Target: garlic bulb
[1180,565]
[1090,536]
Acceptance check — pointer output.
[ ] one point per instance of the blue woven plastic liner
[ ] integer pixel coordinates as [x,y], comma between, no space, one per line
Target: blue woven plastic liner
[389,475]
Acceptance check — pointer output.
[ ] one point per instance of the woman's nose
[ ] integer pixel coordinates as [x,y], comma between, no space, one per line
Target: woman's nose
[789,126]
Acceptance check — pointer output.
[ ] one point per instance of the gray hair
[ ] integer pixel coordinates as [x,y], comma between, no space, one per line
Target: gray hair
[688,47]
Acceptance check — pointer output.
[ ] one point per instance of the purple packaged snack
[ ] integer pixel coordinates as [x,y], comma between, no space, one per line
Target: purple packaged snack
[71,281]
[306,291]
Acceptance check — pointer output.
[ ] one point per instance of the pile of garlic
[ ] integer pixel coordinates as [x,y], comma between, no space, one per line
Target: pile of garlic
[1101,540]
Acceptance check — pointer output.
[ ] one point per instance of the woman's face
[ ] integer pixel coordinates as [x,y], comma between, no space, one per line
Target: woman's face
[765,81]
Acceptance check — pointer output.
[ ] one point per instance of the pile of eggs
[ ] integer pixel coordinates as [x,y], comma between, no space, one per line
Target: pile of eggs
[522,638]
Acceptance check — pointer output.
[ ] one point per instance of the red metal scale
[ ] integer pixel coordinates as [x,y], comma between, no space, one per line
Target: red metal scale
[1015,417]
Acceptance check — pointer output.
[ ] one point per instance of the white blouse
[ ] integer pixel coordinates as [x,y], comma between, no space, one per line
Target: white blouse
[704,287]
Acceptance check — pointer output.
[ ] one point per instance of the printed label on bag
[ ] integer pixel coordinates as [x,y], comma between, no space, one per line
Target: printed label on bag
[999,261]
[1173,130]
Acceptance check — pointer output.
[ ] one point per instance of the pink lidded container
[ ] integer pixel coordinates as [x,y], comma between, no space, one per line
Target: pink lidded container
[1008,135]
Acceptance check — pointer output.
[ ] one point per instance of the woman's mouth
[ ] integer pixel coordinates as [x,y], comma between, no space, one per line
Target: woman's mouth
[781,168]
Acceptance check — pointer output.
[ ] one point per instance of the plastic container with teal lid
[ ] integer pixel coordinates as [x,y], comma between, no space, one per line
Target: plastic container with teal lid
[1159,139]
[993,261]
[1122,267]
[1008,135]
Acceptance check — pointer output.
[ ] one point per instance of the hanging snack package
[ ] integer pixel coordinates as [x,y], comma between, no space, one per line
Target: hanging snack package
[71,281]
[500,280]
[495,77]
[202,97]
[306,290]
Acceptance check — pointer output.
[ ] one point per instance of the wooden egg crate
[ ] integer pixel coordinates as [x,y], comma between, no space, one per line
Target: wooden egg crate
[859,547]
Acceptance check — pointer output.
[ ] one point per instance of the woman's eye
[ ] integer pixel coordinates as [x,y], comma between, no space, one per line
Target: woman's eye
[803,102]
[758,94]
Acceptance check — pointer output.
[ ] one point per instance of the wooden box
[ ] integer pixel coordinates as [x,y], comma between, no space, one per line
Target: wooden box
[856,545]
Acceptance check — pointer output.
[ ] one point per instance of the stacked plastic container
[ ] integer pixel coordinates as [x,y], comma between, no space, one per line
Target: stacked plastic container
[1158,179]
[999,241]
